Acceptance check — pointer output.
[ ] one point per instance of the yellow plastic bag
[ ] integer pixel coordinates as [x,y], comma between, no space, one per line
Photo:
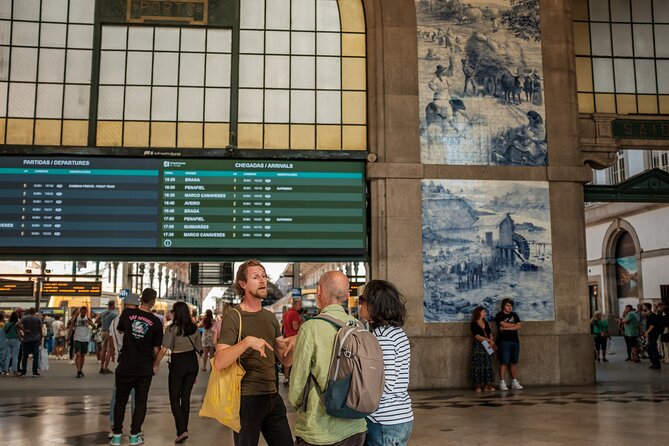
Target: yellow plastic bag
[224,392]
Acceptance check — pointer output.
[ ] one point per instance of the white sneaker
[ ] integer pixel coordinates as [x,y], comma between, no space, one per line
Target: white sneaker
[516,385]
[502,385]
[72,362]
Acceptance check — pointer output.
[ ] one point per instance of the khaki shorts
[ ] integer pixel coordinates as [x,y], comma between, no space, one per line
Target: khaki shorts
[104,339]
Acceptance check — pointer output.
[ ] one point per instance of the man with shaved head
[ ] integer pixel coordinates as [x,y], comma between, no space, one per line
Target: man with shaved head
[313,351]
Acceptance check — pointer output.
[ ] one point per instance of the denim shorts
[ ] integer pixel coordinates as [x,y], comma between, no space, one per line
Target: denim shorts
[388,434]
[509,352]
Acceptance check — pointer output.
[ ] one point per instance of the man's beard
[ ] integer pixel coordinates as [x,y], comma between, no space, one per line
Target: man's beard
[260,293]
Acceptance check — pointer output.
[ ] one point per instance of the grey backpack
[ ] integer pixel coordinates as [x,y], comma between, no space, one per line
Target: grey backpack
[355,378]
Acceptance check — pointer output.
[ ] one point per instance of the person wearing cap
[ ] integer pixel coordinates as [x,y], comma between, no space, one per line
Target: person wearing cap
[508,344]
[142,338]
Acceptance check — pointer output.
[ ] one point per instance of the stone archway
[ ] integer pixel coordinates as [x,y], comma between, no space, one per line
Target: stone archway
[618,229]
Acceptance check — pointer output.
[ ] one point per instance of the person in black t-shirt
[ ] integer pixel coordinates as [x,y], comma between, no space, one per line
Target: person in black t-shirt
[142,337]
[655,327]
[508,324]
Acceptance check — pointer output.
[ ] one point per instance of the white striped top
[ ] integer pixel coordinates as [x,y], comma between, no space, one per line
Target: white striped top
[395,406]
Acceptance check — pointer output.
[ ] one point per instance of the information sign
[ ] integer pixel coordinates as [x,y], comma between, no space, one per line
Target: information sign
[179,206]
[72,288]
[16,287]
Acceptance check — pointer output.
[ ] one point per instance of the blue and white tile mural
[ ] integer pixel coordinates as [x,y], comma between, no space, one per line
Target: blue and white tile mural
[481,83]
[484,241]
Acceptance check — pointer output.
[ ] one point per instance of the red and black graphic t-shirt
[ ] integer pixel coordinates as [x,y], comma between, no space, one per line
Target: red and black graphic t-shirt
[142,331]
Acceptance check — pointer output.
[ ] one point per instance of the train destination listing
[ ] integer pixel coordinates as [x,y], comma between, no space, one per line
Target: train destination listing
[181,204]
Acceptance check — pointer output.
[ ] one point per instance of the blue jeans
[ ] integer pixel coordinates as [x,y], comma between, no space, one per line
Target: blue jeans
[12,355]
[113,402]
[48,344]
[388,434]
[3,353]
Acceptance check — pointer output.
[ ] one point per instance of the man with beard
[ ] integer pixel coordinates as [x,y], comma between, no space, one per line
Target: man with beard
[262,408]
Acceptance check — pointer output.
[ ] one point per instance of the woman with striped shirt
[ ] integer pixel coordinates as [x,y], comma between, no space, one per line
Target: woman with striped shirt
[383,306]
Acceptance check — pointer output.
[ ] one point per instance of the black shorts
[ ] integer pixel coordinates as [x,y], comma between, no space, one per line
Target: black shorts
[81,347]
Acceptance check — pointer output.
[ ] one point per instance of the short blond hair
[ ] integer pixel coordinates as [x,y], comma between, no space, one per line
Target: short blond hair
[242,274]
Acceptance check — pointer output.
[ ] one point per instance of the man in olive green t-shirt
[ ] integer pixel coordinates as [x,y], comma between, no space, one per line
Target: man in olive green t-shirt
[262,408]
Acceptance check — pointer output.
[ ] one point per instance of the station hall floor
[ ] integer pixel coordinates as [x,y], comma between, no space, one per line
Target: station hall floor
[629,405]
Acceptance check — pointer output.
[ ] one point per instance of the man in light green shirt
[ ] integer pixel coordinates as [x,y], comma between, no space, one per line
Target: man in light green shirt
[631,321]
[312,355]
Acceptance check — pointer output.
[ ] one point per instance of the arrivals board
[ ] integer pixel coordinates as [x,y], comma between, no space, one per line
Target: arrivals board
[175,206]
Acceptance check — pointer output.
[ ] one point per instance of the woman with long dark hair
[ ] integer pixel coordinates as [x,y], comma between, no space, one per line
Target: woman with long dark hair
[13,344]
[208,341]
[482,373]
[384,307]
[183,339]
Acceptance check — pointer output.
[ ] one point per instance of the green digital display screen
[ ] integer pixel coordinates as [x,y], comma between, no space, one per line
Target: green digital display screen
[177,206]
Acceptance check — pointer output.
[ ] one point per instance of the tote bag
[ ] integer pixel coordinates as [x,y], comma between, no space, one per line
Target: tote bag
[224,391]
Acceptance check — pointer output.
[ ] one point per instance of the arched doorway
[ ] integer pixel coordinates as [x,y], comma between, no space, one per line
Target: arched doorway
[623,274]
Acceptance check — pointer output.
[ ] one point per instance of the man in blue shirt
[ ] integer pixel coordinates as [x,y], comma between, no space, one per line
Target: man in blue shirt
[32,339]
[107,346]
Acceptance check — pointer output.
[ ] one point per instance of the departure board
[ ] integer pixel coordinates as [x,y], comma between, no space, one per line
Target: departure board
[16,287]
[51,288]
[176,206]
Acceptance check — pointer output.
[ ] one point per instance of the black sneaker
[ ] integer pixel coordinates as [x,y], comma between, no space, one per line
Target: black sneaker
[80,374]
[36,375]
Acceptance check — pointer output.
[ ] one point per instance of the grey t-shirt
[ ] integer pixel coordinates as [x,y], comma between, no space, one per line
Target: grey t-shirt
[178,343]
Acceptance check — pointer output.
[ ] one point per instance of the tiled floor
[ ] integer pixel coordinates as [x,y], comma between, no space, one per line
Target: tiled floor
[628,406]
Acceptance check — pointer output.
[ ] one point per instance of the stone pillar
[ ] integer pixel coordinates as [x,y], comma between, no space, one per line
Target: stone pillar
[555,352]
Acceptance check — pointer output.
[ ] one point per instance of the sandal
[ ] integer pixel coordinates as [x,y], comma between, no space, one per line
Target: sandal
[489,388]
[477,389]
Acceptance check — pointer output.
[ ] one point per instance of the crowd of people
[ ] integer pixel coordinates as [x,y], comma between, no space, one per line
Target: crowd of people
[137,339]
[646,333]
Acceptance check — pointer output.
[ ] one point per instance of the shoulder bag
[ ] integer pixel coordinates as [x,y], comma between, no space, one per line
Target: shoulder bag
[224,391]
[199,352]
